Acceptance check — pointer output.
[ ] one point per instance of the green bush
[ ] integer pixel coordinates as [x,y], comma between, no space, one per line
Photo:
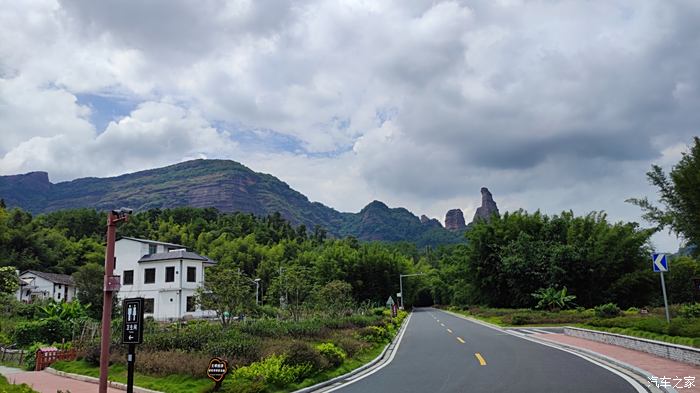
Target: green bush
[192,336]
[333,355]
[273,370]
[521,319]
[45,330]
[350,345]
[689,310]
[300,353]
[172,363]
[30,357]
[235,346]
[609,310]
[4,339]
[307,328]
[264,328]
[685,327]
[374,334]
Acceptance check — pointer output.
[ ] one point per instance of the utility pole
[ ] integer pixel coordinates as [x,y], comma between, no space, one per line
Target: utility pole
[401,276]
[111,285]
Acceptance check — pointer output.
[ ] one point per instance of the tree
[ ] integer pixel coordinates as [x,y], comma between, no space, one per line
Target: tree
[227,291]
[89,281]
[334,298]
[295,285]
[9,282]
[679,194]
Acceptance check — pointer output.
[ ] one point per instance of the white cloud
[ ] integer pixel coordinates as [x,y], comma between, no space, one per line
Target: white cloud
[552,105]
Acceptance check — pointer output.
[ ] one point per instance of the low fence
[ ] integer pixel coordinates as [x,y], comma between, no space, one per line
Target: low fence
[680,353]
[46,356]
[15,356]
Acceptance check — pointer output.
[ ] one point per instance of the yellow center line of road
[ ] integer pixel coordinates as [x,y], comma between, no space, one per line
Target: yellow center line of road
[450,331]
[480,358]
[460,340]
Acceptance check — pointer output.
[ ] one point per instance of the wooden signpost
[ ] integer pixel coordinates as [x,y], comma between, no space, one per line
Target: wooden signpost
[217,370]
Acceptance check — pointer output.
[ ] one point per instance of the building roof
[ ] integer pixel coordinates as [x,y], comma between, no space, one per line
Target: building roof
[151,241]
[55,278]
[179,254]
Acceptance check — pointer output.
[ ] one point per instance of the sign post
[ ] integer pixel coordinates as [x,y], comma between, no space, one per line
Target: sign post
[132,334]
[217,370]
[392,306]
[660,265]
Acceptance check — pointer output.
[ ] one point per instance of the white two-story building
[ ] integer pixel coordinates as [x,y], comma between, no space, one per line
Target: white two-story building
[36,285]
[166,275]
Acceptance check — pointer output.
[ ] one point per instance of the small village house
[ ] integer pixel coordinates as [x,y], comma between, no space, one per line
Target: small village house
[35,285]
[166,275]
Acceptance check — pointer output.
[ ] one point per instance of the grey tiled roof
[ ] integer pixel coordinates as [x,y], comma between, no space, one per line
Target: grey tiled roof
[151,241]
[168,256]
[63,279]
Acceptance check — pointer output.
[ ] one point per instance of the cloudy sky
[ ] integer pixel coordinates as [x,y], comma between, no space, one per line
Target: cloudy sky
[551,104]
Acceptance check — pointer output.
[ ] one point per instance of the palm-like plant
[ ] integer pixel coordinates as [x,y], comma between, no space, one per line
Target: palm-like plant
[553,299]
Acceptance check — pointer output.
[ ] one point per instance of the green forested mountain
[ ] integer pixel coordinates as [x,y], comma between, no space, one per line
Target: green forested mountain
[222,184]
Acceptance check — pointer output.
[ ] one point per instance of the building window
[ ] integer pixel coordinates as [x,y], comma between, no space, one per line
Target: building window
[170,274]
[152,248]
[148,305]
[191,274]
[191,304]
[150,276]
[128,277]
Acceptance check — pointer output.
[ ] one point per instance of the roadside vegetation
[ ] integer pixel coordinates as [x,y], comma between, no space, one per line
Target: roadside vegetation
[7,387]
[684,328]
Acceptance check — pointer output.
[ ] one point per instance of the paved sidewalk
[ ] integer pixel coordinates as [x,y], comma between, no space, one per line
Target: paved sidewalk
[10,370]
[657,366]
[44,382]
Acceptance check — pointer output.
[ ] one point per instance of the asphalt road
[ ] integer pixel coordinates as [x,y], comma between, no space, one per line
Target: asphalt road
[443,353]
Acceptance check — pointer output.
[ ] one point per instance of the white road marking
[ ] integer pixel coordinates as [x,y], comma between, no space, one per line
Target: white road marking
[636,385]
[391,357]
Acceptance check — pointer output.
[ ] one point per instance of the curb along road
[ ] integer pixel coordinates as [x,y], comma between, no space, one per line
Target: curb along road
[591,356]
[380,361]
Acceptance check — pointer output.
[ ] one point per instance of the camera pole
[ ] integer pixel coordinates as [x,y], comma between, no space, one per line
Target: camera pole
[110,286]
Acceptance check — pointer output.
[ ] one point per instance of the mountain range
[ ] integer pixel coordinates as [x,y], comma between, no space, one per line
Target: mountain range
[228,186]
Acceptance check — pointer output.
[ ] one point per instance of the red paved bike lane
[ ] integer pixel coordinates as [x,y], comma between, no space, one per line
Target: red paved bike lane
[657,366]
[43,382]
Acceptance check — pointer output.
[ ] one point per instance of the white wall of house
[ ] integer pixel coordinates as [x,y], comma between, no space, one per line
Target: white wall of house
[169,298]
[39,288]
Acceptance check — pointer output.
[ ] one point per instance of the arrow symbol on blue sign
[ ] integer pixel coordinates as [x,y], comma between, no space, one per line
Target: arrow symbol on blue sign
[660,262]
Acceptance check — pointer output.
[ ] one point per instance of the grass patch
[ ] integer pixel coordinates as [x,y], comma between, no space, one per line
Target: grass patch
[117,372]
[7,387]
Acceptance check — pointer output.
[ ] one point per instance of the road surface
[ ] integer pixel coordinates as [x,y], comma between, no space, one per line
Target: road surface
[442,353]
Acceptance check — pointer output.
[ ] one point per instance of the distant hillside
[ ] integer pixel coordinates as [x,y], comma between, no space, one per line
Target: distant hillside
[225,185]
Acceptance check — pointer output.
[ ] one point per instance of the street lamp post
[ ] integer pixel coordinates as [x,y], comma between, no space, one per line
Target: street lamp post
[257,291]
[401,276]
[110,285]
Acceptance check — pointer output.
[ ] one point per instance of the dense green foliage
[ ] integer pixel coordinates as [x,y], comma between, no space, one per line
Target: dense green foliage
[505,261]
[513,256]
[553,299]
[679,194]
